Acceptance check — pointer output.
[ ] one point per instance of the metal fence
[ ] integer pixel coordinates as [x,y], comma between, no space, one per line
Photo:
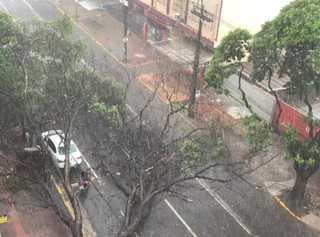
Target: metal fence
[262,102]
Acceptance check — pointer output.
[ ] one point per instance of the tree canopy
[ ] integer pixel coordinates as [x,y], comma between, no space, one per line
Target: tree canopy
[288,45]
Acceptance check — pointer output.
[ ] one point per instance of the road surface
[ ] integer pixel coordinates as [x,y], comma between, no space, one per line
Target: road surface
[240,211]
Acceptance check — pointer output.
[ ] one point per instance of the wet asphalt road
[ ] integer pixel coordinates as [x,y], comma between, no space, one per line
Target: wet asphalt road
[204,216]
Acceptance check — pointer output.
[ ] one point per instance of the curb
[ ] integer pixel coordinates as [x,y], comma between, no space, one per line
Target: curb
[68,205]
[146,85]
[285,207]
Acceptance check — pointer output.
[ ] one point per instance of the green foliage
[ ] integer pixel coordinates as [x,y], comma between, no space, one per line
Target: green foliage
[99,108]
[296,33]
[263,55]
[304,151]
[193,151]
[202,147]
[227,58]
[258,133]
[297,24]
[58,84]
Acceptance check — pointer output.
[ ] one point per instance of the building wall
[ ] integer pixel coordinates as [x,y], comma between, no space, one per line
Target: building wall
[161,5]
[209,29]
[147,2]
[247,14]
[213,7]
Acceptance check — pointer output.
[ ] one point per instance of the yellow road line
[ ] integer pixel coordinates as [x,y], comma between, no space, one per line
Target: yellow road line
[146,85]
[59,10]
[285,207]
[66,202]
[187,120]
[59,189]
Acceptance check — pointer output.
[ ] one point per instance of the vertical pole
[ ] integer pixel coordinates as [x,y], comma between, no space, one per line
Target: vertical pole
[125,26]
[76,10]
[186,12]
[193,85]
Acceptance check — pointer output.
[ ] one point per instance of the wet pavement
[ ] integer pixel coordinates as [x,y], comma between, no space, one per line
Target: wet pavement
[26,218]
[204,216]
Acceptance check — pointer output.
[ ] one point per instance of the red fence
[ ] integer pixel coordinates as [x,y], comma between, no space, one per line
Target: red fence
[290,115]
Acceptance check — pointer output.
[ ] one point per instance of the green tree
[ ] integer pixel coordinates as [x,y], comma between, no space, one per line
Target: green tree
[228,59]
[287,45]
[265,58]
[43,77]
[296,33]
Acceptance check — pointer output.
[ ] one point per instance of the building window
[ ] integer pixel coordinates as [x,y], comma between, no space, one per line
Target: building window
[177,6]
[161,1]
[207,25]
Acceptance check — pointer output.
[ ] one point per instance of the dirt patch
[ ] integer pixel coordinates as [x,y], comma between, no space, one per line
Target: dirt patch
[156,82]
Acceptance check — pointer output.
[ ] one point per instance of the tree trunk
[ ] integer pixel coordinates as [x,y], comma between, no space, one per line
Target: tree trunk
[76,226]
[136,218]
[277,99]
[299,188]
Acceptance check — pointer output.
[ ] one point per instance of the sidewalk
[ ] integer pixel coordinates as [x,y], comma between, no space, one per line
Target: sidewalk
[274,174]
[26,219]
[109,32]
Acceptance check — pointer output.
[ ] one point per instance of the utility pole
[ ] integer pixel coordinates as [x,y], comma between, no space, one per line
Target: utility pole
[125,27]
[76,10]
[193,85]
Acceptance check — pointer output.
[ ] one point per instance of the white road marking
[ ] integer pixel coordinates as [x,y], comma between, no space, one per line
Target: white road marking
[226,207]
[121,213]
[134,113]
[7,11]
[214,195]
[180,218]
[89,166]
[33,11]
[28,5]
[131,110]
[4,7]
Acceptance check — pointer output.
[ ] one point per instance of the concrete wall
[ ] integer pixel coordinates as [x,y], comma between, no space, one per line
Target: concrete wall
[247,14]
[262,103]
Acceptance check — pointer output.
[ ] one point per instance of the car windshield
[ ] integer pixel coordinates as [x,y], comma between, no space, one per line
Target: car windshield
[72,149]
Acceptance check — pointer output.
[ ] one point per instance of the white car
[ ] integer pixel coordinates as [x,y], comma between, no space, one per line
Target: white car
[53,140]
